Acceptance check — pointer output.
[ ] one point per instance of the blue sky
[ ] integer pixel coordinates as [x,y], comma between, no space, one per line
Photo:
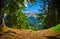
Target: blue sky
[34,7]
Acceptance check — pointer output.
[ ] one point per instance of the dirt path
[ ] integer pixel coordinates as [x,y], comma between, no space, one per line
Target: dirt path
[10,33]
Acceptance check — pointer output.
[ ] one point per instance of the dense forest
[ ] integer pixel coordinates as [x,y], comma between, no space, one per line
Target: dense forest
[17,19]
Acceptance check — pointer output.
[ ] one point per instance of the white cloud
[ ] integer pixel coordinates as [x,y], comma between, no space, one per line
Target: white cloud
[25,3]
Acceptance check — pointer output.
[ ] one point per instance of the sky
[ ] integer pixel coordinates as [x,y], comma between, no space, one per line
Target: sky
[38,5]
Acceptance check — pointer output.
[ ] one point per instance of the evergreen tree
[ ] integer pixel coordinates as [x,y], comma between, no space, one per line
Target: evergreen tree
[10,7]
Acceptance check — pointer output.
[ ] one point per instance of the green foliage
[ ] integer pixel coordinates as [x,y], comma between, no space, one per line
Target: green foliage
[44,22]
[52,18]
[56,28]
[42,17]
[39,16]
[15,17]
[19,20]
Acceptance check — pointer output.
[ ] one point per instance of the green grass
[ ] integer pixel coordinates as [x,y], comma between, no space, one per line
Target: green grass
[56,28]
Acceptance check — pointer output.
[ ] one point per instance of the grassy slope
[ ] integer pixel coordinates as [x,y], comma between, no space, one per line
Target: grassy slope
[56,28]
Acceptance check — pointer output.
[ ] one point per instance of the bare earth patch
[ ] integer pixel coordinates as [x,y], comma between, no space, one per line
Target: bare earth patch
[10,33]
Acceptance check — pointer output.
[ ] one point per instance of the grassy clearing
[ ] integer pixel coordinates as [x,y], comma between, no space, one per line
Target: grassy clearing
[56,28]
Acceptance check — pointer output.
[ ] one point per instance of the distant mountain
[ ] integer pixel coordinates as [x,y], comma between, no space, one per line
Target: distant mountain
[34,22]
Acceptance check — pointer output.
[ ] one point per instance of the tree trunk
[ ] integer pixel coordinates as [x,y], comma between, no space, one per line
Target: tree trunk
[1,15]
